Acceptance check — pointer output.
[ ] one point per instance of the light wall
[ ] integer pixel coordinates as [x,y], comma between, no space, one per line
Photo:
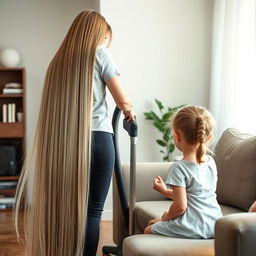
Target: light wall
[163,50]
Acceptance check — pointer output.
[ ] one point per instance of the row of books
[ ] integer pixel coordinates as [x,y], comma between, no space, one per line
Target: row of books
[9,113]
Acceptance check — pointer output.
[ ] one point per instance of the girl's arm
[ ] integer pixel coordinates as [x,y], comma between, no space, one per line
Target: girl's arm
[179,205]
[159,185]
[120,97]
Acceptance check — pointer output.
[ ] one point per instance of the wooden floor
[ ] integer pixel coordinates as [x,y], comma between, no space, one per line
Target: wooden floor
[10,247]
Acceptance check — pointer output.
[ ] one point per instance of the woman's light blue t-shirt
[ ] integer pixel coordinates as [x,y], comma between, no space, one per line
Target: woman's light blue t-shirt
[105,69]
[203,210]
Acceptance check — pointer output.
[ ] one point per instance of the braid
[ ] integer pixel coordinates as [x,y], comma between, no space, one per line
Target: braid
[201,137]
[201,127]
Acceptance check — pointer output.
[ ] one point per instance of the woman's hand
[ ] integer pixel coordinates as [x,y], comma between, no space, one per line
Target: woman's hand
[151,222]
[129,115]
[159,185]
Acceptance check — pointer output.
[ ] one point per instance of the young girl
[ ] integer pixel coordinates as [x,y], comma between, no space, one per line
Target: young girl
[193,180]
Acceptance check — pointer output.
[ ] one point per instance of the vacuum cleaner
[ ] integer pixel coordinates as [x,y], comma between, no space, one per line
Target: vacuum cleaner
[127,209]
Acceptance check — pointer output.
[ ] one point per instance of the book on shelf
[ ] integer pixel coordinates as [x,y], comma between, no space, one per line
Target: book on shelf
[8,184]
[13,88]
[4,114]
[9,113]
[13,85]
[7,202]
[12,91]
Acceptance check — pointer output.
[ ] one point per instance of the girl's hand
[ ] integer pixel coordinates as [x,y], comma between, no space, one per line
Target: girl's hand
[165,216]
[159,185]
[129,115]
[151,222]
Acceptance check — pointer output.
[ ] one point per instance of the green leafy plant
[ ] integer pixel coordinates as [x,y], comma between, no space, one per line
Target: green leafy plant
[160,122]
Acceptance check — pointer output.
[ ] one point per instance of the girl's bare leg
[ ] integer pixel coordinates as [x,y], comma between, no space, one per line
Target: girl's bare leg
[147,230]
[154,221]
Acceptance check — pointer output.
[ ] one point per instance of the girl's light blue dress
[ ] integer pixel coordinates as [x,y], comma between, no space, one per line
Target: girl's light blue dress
[202,207]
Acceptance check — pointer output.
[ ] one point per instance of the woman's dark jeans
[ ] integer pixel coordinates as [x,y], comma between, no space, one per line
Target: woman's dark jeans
[103,157]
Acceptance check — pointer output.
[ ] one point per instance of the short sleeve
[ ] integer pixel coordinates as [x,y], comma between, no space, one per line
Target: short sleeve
[108,67]
[176,176]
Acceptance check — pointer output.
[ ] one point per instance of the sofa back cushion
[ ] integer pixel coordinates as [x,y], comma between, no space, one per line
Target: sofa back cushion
[236,163]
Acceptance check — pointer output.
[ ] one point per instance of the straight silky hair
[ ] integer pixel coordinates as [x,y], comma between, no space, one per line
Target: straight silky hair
[54,182]
[196,124]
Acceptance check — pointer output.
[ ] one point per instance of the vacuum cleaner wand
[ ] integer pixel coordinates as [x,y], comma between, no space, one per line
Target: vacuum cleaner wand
[127,210]
[132,129]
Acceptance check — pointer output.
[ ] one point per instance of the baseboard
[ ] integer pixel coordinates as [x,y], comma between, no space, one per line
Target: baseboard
[107,215]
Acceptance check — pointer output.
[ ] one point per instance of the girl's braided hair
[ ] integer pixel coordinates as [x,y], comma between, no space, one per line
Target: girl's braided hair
[196,124]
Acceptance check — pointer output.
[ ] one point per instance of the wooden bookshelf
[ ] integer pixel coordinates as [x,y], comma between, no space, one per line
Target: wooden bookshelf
[9,178]
[11,96]
[12,134]
[11,130]
[7,192]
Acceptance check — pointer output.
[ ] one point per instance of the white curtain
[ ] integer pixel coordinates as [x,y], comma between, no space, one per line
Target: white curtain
[233,83]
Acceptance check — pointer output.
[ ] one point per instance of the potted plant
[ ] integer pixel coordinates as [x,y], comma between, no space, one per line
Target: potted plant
[161,123]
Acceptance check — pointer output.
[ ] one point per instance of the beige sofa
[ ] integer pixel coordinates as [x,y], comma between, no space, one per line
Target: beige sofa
[235,233]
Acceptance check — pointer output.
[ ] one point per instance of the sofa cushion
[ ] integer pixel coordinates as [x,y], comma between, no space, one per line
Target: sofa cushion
[236,163]
[154,245]
[148,210]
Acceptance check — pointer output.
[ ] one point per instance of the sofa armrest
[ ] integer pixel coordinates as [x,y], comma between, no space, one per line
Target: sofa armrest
[145,174]
[235,235]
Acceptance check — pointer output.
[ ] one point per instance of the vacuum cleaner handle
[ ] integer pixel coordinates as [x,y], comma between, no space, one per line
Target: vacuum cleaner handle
[118,168]
[128,210]
[132,129]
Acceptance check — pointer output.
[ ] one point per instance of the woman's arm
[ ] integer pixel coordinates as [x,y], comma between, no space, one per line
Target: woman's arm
[120,97]
[179,205]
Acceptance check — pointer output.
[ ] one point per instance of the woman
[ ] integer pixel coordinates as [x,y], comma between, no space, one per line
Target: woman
[72,158]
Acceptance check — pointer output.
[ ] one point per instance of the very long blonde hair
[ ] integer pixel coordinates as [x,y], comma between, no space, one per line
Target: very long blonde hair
[53,186]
